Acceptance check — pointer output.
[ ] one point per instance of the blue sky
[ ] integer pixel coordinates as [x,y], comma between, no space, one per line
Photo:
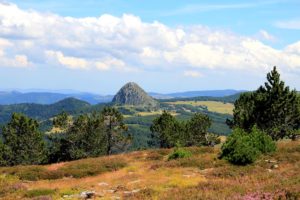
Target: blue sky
[165,46]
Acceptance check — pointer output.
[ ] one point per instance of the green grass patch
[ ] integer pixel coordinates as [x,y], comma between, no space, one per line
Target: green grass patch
[39,192]
[179,153]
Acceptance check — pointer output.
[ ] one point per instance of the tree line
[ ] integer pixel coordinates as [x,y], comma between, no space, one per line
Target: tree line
[271,112]
[88,135]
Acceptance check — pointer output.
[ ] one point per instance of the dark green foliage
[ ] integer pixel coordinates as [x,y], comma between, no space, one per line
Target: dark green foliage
[243,148]
[239,148]
[61,120]
[23,140]
[196,130]
[179,153]
[218,120]
[140,137]
[39,192]
[273,107]
[263,142]
[5,154]
[167,130]
[90,135]
[84,138]
[43,112]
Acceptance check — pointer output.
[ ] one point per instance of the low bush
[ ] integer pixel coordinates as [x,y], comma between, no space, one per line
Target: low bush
[76,169]
[244,148]
[179,153]
[263,142]
[39,192]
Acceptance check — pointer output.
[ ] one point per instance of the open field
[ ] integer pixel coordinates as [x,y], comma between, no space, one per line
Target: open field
[154,113]
[149,175]
[212,106]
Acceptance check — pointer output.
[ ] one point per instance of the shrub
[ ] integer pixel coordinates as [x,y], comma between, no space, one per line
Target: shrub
[263,142]
[76,169]
[243,148]
[239,148]
[39,192]
[179,153]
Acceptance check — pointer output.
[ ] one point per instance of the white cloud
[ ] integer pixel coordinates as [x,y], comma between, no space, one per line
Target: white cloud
[289,24]
[67,61]
[128,44]
[109,63]
[193,74]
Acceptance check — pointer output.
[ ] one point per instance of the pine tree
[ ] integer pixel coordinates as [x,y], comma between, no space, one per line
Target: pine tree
[114,128]
[86,137]
[273,107]
[24,141]
[167,130]
[5,155]
[196,130]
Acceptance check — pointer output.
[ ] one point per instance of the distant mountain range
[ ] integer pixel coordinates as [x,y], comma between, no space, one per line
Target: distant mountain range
[202,93]
[43,97]
[16,97]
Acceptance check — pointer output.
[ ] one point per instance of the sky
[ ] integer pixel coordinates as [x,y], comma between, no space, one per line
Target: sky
[164,46]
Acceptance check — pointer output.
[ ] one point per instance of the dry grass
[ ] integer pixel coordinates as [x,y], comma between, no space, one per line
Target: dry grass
[159,112]
[213,106]
[149,175]
[76,169]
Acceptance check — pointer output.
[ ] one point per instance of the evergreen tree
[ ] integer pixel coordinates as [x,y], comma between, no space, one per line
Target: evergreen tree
[167,130]
[61,120]
[23,139]
[5,155]
[274,108]
[86,137]
[196,130]
[114,128]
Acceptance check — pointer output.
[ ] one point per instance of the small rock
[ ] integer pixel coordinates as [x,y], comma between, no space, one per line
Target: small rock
[115,197]
[87,194]
[111,191]
[269,170]
[129,193]
[274,166]
[103,184]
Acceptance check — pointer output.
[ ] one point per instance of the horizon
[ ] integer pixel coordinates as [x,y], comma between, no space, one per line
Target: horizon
[70,91]
[165,47]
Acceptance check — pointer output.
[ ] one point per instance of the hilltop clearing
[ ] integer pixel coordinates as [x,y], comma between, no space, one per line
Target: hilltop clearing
[150,175]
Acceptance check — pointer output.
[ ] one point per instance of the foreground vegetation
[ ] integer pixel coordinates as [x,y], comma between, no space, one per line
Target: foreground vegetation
[152,174]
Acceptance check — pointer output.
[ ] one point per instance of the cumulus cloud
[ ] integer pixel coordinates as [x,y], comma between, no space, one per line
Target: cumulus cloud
[126,43]
[69,62]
